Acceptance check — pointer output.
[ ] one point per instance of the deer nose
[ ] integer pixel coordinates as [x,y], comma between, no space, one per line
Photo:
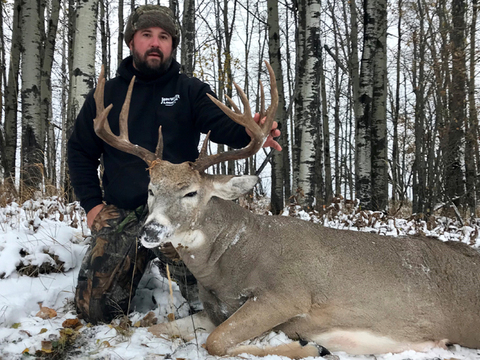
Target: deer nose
[153,234]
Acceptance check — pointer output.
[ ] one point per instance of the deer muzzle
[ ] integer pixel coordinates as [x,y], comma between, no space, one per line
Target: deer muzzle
[154,235]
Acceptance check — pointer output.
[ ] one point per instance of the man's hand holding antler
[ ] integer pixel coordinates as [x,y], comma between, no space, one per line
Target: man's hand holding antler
[274,133]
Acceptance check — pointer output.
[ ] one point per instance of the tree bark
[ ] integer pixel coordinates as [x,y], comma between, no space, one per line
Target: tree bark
[363,151]
[11,94]
[379,112]
[82,78]
[471,142]
[309,120]
[188,37]
[46,91]
[33,126]
[121,30]
[455,187]
[280,160]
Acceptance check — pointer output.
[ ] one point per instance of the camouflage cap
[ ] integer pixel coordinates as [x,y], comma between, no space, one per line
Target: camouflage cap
[146,16]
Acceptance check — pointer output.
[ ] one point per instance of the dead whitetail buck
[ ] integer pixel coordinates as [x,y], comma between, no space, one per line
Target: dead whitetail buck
[344,290]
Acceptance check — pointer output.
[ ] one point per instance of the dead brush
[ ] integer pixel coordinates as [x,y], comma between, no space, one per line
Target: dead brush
[28,269]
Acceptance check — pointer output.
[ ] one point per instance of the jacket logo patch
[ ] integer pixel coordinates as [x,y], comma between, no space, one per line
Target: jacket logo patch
[170,101]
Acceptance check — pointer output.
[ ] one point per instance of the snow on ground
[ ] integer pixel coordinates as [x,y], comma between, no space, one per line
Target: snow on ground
[42,244]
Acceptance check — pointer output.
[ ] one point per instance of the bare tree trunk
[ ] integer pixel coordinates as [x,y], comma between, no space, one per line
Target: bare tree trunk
[121,34]
[46,91]
[379,112]
[64,94]
[363,151]
[355,86]
[396,113]
[328,192]
[71,16]
[299,119]
[221,77]
[309,121]
[455,187]
[227,66]
[33,126]
[2,83]
[188,37]
[280,160]
[82,78]
[11,94]
[104,36]
[471,128]
[419,171]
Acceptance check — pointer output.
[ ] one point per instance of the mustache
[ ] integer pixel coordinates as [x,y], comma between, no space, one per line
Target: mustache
[155,51]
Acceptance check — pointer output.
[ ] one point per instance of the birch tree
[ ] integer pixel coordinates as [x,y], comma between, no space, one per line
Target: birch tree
[33,126]
[82,78]
[379,111]
[370,139]
[308,122]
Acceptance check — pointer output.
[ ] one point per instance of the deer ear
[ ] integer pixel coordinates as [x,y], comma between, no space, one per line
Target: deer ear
[234,186]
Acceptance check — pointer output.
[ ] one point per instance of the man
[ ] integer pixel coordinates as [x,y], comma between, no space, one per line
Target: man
[115,263]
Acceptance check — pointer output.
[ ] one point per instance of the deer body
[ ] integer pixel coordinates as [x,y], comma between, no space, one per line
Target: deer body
[344,290]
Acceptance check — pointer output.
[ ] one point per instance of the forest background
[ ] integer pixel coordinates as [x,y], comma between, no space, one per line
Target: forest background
[378,99]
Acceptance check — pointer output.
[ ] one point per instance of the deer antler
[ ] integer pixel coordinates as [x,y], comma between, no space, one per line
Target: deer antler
[259,132]
[121,142]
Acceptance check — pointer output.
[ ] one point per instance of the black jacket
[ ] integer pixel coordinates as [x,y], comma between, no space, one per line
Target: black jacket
[174,101]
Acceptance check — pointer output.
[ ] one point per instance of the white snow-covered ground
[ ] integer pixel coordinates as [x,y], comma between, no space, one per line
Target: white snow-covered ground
[42,244]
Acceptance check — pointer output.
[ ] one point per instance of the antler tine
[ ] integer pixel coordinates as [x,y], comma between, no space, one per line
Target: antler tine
[159,150]
[123,118]
[99,91]
[272,109]
[258,132]
[103,131]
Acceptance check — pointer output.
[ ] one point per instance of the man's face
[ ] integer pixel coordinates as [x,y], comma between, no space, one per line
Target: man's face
[151,49]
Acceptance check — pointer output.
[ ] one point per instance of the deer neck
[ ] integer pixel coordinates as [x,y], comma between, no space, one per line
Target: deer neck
[224,227]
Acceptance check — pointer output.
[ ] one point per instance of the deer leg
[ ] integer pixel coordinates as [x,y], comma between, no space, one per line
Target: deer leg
[254,318]
[185,327]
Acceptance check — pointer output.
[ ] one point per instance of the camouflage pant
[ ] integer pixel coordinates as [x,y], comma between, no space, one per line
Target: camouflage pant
[115,263]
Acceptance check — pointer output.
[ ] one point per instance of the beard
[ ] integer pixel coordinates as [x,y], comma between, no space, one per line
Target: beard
[151,68]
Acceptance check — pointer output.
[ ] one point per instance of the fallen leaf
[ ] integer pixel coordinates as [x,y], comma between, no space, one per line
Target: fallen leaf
[26,333]
[26,351]
[16,325]
[44,330]
[46,313]
[171,317]
[72,323]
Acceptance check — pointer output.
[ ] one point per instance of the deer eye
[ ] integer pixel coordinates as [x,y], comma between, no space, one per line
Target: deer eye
[191,194]
[150,192]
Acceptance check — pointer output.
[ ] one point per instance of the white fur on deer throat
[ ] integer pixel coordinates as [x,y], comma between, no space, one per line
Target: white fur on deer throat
[191,239]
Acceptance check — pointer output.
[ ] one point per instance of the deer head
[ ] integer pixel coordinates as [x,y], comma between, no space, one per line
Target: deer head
[179,194]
